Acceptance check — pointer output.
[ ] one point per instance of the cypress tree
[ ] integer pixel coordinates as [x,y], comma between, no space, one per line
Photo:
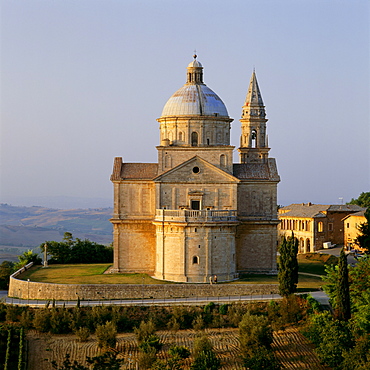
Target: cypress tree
[343,303]
[288,266]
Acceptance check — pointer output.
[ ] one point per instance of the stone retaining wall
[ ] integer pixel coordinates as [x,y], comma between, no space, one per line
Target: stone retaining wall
[70,292]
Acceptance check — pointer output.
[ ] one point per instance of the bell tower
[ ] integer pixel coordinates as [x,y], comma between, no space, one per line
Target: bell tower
[253,139]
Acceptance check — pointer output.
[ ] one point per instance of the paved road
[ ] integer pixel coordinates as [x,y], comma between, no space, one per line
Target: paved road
[336,252]
[320,296]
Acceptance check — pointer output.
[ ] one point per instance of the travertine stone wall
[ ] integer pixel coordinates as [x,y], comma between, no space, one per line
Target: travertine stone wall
[137,246]
[47,291]
[256,247]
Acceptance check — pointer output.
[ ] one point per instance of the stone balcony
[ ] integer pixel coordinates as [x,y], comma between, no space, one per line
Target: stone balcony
[189,215]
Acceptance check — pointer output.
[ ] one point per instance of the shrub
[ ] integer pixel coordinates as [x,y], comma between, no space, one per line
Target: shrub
[223,309]
[198,323]
[204,356]
[261,358]
[83,334]
[106,335]
[145,330]
[209,307]
[147,359]
[41,320]
[254,331]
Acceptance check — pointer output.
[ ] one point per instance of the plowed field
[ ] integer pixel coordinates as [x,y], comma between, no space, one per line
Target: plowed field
[290,347]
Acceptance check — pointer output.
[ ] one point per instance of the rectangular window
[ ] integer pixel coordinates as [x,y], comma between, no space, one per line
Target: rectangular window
[348,225]
[195,204]
[330,226]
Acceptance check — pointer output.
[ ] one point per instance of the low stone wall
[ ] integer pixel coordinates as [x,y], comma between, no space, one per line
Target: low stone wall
[48,291]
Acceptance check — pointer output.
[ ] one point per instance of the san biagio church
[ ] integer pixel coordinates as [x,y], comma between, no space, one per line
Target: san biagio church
[195,214]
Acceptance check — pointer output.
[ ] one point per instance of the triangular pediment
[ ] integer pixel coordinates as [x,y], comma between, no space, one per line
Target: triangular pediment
[196,170]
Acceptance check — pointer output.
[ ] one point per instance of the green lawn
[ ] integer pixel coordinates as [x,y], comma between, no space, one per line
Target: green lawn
[84,274]
[314,263]
[94,274]
[305,283]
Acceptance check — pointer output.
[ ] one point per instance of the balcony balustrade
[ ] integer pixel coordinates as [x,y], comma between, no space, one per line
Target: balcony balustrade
[190,215]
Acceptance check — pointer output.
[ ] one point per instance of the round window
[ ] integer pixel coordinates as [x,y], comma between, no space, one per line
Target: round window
[196,169]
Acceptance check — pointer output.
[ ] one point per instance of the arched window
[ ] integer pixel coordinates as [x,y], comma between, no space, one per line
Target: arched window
[320,227]
[194,139]
[180,136]
[223,160]
[195,260]
[254,139]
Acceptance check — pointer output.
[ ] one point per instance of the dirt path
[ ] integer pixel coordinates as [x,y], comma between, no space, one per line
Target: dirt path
[290,347]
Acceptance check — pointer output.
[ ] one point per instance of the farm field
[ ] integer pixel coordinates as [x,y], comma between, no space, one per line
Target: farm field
[290,348]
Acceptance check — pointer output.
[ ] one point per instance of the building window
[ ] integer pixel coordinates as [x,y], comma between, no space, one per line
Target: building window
[347,225]
[330,226]
[195,260]
[320,227]
[194,139]
[196,170]
[195,205]
[222,160]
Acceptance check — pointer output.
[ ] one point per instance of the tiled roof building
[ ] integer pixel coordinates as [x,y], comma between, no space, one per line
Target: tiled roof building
[194,214]
[351,224]
[315,224]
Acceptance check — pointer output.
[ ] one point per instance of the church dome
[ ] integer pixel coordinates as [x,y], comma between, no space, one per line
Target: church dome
[194,98]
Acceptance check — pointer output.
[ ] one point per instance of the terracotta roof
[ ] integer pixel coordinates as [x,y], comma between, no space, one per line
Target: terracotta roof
[133,171]
[256,171]
[315,210]
[303,210]
[140,171]
[345,208]
[357,214]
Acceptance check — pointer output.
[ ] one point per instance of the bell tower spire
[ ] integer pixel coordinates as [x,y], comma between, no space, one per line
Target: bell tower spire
[253,139]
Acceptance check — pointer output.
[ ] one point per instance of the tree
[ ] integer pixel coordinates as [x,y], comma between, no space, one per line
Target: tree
[27,257]
[288,266]
[363,240]
[254,331]
[204,356]
[149,343]
[343,304]
[255,337]
[363,200]
[6,269]
[332,338]
[77,251]
[106,335]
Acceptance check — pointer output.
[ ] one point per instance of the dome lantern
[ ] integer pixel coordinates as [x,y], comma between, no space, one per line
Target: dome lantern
[195,98]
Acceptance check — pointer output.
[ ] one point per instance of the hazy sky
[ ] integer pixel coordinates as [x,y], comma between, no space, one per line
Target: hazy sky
[83,81]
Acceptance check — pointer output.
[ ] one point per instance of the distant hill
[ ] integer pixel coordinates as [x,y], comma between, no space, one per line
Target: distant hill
[58,202]
[31,226]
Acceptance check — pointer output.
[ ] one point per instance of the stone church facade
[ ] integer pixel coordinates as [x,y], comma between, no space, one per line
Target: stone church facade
[195,214]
